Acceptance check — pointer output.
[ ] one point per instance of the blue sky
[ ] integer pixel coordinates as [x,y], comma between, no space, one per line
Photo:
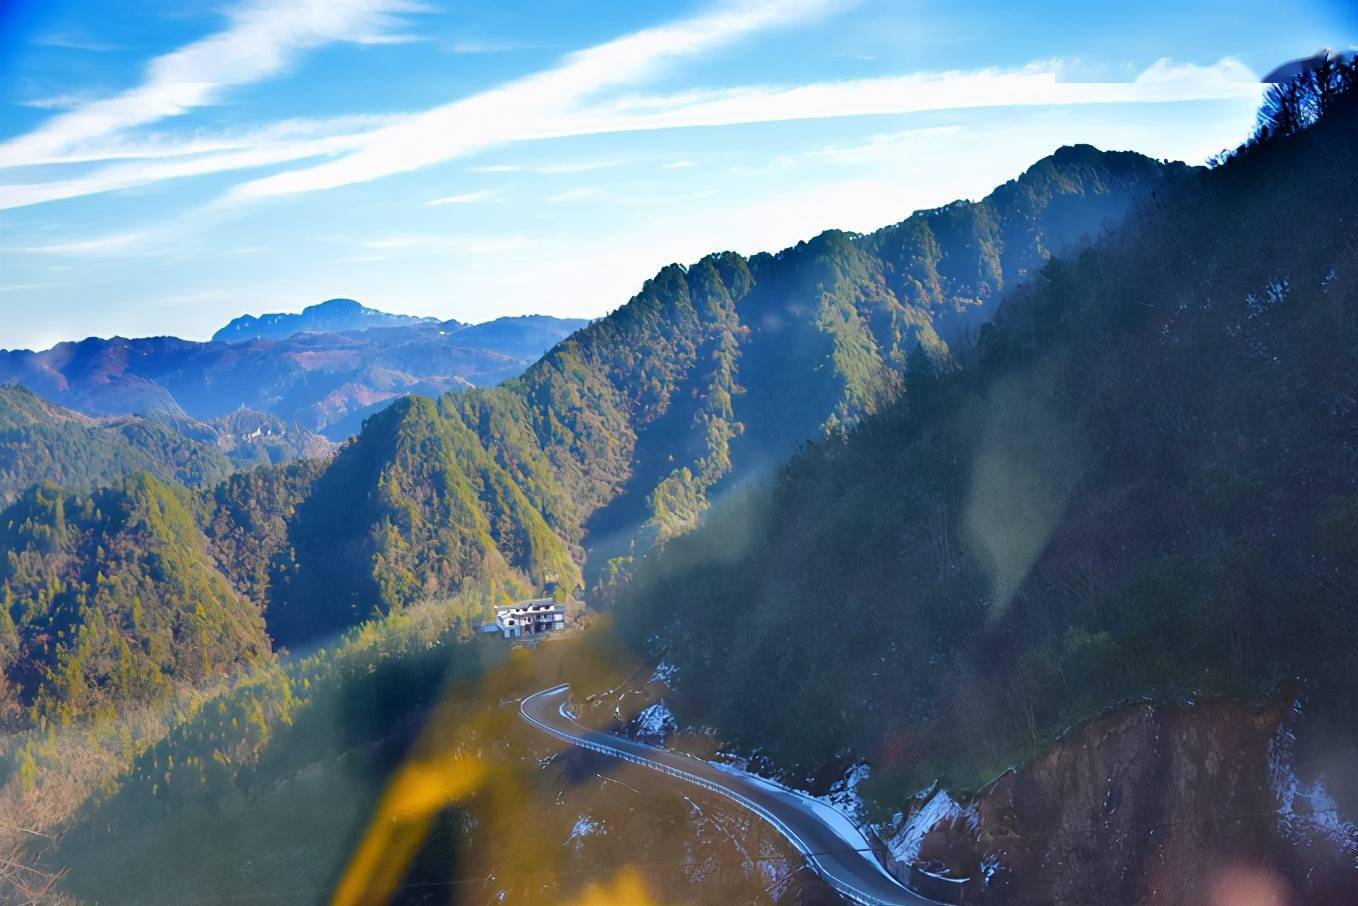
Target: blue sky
[167,165]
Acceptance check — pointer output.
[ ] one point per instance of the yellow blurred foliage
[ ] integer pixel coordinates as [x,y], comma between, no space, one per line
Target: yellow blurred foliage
[418,791]
[626,889]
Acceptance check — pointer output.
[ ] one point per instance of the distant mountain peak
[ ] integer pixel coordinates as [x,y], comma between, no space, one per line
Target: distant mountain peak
[338,305]
[330,316]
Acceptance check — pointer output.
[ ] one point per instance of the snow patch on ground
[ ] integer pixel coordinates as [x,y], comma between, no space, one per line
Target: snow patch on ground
[585,826]
[839,823]
[844,795]
[1305,809]
[655,723]
[906,843]
[663,673]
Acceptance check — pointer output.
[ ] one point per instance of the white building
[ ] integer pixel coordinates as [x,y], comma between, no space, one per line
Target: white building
[528,618]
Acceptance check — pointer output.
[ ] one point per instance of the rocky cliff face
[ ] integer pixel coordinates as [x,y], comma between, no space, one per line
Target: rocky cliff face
[1170,805]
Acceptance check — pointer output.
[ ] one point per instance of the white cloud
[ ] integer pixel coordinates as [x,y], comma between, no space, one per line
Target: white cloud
[261,41]
[473,245]
[56,101]
[677,165]
[464,198]
[558,169]
[154,160]
[470,46]
[578,167]
[75,41]
[1165,71]
[571,99]
[117,243]
[157,145]
[877,150]
[1029,86]
[543,105]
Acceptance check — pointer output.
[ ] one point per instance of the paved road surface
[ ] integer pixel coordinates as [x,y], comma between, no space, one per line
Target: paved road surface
[829,841]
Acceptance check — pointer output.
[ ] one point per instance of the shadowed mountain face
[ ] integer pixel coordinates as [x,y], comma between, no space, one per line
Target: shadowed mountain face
[715,372]
[1142,484]
[326,382]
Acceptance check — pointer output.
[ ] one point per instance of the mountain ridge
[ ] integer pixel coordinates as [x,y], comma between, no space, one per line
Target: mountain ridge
[1119,497]
[748,357]
[621,435]
[330,316]
[326,382]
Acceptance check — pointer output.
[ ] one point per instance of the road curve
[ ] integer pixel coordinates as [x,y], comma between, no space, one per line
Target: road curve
[817,831]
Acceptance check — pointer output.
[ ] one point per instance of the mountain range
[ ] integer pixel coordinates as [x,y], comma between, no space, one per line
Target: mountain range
[332,316]
[1118,495]
[1048,497]
[616,439]
[715,372]
[281,365]
[41,441]
[1119,533]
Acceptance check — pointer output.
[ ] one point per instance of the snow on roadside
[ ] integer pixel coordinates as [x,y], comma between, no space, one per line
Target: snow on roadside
[905,844]
[654,724]
[840,824]
[1305,809]
[844,794]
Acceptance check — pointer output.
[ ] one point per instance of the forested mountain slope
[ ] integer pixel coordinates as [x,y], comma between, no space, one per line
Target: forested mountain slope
[717,371]
[112,598]
[412,510]
[1144,482]
[40,441]
[619,435]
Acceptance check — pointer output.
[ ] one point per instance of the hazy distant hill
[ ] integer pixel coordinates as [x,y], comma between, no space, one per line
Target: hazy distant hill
[332,316]
[40,441]
[326,382]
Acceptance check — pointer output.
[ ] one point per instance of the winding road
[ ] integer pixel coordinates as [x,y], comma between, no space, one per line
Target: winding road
[832,845]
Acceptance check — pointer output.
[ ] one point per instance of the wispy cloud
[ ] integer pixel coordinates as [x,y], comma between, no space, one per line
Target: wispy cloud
[579,96]
[469,46]
[473,245]
[556,169]
[882,148]
[153,161]
[75,41]
[677,165]
[543,105]
[262,39]
[116,243]
[540,108]
[56,101]
[1037,85]
[465,198]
